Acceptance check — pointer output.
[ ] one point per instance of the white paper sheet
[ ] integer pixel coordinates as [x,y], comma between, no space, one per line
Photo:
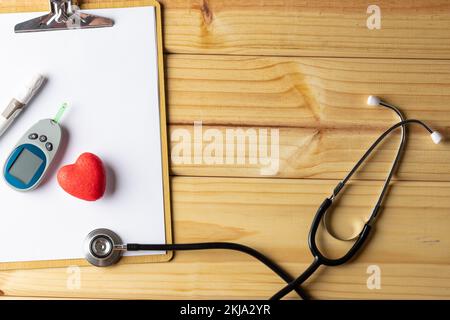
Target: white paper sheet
[109,77]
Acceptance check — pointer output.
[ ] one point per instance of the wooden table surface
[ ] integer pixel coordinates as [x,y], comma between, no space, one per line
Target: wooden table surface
[305,68]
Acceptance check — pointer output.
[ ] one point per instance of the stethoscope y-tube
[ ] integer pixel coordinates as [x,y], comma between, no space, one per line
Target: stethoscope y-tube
[103,247]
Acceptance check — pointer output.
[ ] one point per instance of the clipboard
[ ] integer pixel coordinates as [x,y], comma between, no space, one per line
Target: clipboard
[162,257]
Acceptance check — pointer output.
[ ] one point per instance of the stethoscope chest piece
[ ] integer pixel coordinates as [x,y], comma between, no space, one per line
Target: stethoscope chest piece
[102,247]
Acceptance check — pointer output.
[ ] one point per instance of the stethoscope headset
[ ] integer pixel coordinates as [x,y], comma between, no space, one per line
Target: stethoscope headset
[104,247]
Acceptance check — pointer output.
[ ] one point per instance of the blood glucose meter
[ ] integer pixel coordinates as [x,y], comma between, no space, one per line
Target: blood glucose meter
[31,157]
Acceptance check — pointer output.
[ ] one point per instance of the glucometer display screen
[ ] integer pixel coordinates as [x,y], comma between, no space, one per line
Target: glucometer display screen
[25,166]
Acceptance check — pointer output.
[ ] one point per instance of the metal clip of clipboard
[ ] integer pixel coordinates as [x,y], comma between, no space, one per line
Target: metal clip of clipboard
[63,16]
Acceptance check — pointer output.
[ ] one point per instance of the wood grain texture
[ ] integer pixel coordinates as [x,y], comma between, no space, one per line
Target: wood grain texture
[410,28]
[305,92]
[319,106]
[274,216]
[319,154]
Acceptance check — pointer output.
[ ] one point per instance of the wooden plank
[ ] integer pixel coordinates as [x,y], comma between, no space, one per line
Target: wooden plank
[409,28]
[311,153]
[410,244]
[305,92]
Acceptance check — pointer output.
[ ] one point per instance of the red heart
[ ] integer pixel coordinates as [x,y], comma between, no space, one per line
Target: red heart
[86,179]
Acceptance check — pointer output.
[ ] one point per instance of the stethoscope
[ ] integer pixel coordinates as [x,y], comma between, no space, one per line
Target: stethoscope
[104,247]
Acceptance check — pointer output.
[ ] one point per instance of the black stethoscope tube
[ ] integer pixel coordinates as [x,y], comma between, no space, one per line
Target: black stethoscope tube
[319,258]
[221,245]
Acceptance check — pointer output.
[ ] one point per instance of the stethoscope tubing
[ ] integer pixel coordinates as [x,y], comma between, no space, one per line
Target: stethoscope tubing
[361,161]
[224,246]
[397,156]
[319,258]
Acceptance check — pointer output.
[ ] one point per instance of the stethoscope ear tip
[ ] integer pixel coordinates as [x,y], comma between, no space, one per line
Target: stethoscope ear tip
[436,137]
[373,101]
